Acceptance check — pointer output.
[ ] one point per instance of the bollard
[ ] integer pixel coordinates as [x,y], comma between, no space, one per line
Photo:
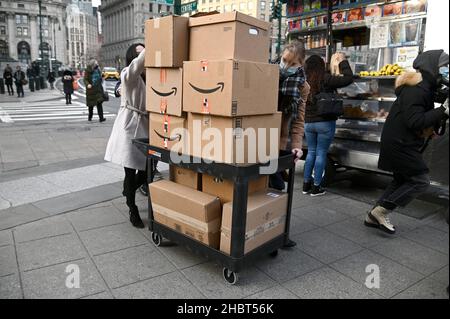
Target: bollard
[2,86]
[31,83]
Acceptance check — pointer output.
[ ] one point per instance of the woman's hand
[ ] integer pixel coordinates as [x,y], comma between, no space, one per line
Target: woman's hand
[340,57]
[298,153]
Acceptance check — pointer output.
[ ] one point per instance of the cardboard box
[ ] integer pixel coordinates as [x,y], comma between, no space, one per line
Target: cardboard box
[229,140]
[166,41]
[167,131]
[224,189]
[230,87]
[266,219]
[165,90]
[231,35]
[186,177]
[187,211]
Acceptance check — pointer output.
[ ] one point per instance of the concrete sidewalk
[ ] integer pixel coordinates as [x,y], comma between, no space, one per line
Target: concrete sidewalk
[119,261]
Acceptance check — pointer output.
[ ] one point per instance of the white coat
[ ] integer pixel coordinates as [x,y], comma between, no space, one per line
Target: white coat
[132,119]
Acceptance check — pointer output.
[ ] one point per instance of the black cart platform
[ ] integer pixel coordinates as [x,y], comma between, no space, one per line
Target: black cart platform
[240,175]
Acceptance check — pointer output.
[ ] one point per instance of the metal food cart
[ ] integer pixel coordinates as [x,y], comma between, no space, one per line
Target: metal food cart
[354,29]
[240,175]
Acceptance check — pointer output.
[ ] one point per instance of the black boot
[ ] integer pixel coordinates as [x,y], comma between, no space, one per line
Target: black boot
[135,219]
[290,244]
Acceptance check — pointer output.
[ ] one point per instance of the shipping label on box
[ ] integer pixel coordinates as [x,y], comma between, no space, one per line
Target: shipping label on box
[239,140]
[168,132]
[266,219]
[165,90]
[166,41]
[230,88]
[231,35]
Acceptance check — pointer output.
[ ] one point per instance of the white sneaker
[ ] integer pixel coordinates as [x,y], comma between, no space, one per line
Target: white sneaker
[377,218]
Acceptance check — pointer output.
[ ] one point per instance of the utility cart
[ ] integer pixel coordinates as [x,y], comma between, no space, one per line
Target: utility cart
[240,175]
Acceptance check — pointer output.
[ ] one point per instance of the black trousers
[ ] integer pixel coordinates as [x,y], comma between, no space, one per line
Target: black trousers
[99,111]
[10,89]
[69,99]
[133,180]
[403,190]
[19,88]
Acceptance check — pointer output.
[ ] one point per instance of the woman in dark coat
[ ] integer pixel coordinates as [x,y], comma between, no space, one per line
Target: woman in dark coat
[67,80]
[412,115]
[94,90]
[319,129]
[9,77]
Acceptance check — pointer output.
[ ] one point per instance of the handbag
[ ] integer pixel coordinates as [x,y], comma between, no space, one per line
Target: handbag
[105,93]
[329,104]
[24,82]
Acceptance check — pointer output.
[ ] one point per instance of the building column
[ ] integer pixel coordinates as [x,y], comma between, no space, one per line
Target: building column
[34,34]
[12,42]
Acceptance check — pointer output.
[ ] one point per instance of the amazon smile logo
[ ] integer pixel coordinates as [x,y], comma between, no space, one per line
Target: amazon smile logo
[177,137]
[220,86]
[163,94]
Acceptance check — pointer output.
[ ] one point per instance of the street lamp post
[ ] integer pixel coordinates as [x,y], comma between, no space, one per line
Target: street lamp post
[43,85]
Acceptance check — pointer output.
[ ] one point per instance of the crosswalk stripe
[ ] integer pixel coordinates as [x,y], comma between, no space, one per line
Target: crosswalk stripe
[46,111]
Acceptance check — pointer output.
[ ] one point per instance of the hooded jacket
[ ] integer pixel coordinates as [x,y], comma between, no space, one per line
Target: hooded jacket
[411,114]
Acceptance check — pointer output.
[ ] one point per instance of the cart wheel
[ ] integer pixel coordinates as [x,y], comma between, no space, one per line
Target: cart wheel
[156,239]
[230,276]
[274,254]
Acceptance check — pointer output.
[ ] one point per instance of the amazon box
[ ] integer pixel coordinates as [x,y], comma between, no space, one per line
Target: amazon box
[224,189]
[166,41]
[239,140]
[187,211]
[231,35]
[165,90]
[167,131]
[266,220]
[186,177]
[230,88]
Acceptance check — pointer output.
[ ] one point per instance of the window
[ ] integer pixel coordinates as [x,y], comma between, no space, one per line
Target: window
[242,6]
[18,19]
[3,17]
[218,9]
[263,5]
[4,51]
[150,7]
[24,19]
[263,16]
[45,33]
[25,32]
[203,1]
[2,30]
[159,8]
[45,21]
[20,5]
[19,32]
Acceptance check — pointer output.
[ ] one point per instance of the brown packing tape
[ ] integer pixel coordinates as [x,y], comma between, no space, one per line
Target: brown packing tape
[246,76]
[158,58]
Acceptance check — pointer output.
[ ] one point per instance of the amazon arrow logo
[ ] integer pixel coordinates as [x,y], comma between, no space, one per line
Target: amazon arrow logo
[174,92]
[170,139]
[220,86]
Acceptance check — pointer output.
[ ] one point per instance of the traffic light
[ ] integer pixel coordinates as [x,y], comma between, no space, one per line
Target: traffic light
[277,11]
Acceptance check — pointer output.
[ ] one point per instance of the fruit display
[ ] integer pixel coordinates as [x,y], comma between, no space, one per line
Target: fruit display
[387,70]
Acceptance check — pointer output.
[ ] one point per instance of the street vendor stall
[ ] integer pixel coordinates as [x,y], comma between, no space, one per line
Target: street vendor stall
[381,40]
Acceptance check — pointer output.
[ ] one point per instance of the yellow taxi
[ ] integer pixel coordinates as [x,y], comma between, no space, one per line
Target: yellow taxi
[110,73]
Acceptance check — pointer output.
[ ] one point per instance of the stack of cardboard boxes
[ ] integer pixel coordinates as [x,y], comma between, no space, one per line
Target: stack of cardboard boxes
[212,72]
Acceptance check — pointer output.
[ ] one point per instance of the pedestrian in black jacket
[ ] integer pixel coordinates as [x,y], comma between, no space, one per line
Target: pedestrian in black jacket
[19,79]
[67,80]
[8,77]
[411,119]
[320,129]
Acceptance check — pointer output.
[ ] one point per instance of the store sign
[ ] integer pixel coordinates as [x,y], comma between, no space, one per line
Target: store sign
[405,56]
[379,36]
